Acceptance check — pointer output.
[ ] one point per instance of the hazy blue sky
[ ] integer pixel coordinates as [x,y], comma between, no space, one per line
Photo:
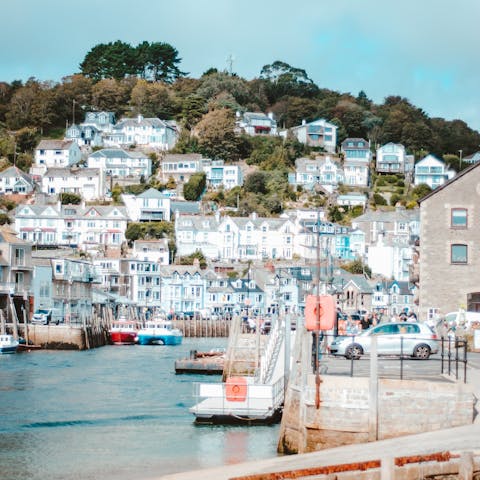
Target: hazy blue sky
[424,50]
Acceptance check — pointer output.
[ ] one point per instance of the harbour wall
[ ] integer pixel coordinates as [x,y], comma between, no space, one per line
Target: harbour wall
[359,410]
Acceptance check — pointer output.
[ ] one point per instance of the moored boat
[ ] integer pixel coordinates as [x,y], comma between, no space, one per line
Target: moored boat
[159,332]
[8,344]
[123,331]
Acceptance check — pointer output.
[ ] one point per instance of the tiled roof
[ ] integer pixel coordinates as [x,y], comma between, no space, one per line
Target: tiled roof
[54,144]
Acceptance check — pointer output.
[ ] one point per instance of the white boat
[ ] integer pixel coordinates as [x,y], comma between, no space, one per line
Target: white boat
[159,332]
[8,344]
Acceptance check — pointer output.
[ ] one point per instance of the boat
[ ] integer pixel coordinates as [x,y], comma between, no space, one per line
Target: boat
[124,331]
[8,344]
[159,332]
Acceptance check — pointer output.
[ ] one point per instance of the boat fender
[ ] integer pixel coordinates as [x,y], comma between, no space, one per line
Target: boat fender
[236,389]
[320,312]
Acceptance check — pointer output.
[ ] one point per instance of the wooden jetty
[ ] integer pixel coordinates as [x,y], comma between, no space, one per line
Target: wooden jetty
[205,363]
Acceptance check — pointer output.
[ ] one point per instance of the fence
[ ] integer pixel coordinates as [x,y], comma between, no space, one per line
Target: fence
[395,358]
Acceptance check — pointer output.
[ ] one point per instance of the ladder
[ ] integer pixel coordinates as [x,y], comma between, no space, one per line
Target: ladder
[271,353]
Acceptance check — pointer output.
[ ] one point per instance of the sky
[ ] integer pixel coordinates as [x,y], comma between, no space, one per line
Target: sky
[424,50]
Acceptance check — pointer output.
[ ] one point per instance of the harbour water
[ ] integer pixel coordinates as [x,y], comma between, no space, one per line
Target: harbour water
[112,413]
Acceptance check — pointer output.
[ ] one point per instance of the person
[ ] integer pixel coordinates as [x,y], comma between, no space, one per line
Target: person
[394,317]
[352,328]
[412,317]
[403,316]
[365,322]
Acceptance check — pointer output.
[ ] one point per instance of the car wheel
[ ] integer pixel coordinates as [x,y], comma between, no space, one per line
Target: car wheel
[353,351]
[421,351]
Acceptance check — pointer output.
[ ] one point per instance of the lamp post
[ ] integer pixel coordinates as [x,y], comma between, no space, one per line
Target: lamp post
[461,153]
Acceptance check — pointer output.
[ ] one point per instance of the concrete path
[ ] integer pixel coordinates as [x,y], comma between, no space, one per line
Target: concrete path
[454,440]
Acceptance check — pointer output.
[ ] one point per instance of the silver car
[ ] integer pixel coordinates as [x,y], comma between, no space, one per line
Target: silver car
[396,338]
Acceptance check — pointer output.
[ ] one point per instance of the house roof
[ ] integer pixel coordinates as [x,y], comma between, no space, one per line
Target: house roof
[54,144]
[13,171]
[183,207]
[152,193]
[179,157]
[116,153]
[68,172]
[141,121]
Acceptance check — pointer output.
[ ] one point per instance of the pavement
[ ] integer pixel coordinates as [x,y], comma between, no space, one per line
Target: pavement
[454,440]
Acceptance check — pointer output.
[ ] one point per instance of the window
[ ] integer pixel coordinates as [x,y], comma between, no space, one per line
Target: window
[458,254]
[459,218]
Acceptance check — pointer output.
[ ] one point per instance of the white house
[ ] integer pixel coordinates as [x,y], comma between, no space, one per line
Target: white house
[148,132]
[117,162]
[391,158]
[352,199]
[65,225]
[84,135]
[318,133]
[322,170]
[13,180]
[432,171]
[152,250]
[356,161]
[180,166]
[218,174]
[233,238]
[55,154]
[87,182]
[150,205]
[256,123]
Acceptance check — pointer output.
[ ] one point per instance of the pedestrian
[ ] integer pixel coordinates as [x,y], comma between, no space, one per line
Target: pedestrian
[365,322]
[412,317]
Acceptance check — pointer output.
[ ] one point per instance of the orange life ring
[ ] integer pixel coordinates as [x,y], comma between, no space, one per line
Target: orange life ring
[319,312]
[236,389]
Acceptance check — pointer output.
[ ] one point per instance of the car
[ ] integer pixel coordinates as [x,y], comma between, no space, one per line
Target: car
[42,316]
[396,338]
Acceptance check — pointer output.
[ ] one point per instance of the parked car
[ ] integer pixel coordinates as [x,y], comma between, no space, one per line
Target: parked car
[42,316]
[408,338]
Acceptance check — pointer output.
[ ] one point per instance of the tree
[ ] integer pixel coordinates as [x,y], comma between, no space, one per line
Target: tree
[421,191]
[152,100]
[193,189]
[357,267]
[156,61]
[67,198]
[216,135]
[256,182]
[281,80]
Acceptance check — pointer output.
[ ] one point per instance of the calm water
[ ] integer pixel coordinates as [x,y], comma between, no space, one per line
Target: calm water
[113,412]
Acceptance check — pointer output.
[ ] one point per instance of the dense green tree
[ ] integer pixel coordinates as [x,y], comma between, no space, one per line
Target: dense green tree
[281,80]
[217,83]
[216,135]
[190,259]
[67,198]
[256,182]
[357,267]
[421,191]
[158,61]
[193,189]
[153,100]
[193,107]
[110,60]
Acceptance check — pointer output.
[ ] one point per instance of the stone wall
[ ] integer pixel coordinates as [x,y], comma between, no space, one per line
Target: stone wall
[346,416]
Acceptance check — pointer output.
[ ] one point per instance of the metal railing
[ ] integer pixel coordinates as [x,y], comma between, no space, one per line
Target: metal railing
[451,356]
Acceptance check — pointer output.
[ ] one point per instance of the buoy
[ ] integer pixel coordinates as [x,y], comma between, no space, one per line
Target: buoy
[319,312]
[236,389]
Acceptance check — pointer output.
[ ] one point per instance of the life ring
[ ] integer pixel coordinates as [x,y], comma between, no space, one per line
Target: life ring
[319,312]
[236,389]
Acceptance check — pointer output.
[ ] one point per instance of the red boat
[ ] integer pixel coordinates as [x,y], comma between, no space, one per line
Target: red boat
[123,331]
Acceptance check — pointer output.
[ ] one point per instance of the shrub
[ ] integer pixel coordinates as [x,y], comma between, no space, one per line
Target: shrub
[379,199]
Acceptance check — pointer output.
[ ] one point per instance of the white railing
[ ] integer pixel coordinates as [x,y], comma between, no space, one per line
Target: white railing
[270,355]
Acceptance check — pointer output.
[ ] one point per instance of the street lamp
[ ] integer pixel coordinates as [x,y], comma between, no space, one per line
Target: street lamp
[461,152]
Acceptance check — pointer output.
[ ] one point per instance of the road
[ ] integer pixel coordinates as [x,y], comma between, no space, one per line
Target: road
[393,367]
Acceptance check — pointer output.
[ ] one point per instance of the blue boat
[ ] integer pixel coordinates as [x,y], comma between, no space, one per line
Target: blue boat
[159,332]
[8,344]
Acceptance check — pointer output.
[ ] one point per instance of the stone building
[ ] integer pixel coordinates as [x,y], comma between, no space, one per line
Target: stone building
[449,274]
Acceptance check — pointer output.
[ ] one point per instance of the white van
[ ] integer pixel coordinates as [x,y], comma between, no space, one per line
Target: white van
[462,318]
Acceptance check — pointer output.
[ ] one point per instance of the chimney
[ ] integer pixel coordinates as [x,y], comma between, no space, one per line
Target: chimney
[304,122]
[139,118]
[270,115]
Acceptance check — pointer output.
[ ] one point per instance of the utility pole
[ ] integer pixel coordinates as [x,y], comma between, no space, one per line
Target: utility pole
[230,60]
